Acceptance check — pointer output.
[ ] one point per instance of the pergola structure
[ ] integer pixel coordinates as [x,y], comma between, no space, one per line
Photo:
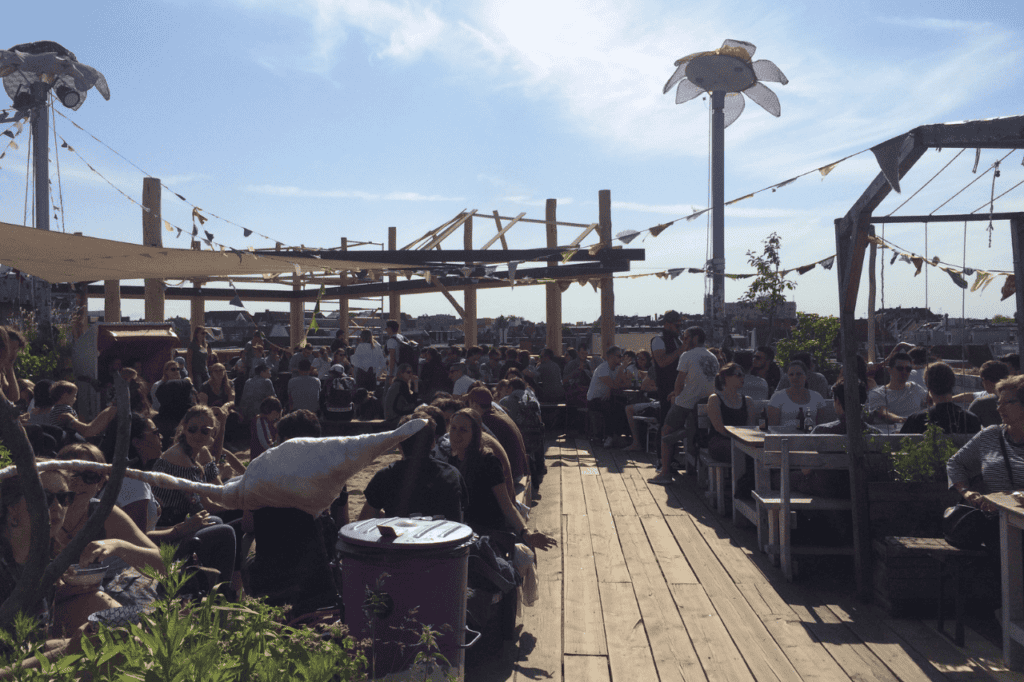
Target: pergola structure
[345,274]
[896,157]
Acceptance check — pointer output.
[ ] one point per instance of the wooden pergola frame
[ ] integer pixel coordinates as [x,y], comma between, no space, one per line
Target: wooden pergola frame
[896,157]
[431,269]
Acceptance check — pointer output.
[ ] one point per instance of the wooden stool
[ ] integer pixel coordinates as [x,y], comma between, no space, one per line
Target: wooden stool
[951,562]
[718,474]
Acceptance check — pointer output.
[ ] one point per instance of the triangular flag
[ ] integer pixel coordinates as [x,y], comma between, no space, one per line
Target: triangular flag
[167,226]
[695,271]
[566,256]
[593,250]
[828,263]
[918,262]
[658,229]
[675,272]
[982,280]
[806,268]
[957,279]
[888,156]
[736,201]
[246,232]
[595,283]
[564,284]
[825,170]
[237,302]
[196,215]
[626,236]
[1009,287]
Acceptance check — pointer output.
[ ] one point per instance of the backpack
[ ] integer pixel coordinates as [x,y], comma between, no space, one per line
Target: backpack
[408,352]
[338,402]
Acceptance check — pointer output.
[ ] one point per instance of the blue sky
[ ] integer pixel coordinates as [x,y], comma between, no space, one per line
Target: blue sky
[313,120]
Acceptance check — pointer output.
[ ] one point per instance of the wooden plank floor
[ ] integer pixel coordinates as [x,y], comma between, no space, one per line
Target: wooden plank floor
[648,584]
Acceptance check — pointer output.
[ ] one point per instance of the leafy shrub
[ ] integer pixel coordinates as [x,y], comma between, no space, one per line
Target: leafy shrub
[919,461]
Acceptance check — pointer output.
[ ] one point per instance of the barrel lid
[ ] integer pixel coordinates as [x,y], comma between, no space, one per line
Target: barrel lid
[407,533]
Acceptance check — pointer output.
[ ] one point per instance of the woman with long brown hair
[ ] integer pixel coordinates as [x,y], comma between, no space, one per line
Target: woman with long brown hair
[489,510]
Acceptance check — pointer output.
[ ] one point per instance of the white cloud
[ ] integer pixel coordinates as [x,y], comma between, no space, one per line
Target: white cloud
[301,193]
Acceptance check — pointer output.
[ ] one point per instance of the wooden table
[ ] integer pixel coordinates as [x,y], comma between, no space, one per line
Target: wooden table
[748,441]
[1011,551]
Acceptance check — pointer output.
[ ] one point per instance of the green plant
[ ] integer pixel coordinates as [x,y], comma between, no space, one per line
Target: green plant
[5,457]
[923,460]
[767,291]
[210,640]
[814,334]
[46,355]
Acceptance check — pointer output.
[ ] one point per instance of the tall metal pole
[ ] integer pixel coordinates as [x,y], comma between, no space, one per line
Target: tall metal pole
[40,153]
[717,216]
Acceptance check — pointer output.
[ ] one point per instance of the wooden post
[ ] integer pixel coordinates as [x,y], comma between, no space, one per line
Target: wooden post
[1017,238]
[112,300]
[198,303]
[394,300]
[851,241]
[469,318]
[296,319]
[151,237]
[871,301]
[343,299]
[552,293]
[604,204]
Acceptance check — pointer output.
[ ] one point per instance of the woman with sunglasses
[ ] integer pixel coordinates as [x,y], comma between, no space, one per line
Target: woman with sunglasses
[784,407]
[217,390]
[121,546]
[727,406]
[63,608]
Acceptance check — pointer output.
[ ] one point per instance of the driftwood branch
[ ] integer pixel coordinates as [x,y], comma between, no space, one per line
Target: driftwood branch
[35,580]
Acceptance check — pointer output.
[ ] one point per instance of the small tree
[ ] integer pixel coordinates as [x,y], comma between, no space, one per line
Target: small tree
[815,334]
[768,290]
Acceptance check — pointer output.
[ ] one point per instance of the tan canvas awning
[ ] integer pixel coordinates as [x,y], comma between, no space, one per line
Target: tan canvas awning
[60,257]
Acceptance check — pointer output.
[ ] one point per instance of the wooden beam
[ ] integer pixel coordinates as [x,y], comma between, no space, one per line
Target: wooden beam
[451,299]
[111,300]
[502,231]
[553,295]
[343,299]
[994,133]
[449,230]
[151,236]
[590,228]
[431,233]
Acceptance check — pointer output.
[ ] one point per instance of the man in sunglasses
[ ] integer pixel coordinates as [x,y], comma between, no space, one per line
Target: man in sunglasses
[460,379]
[892,403]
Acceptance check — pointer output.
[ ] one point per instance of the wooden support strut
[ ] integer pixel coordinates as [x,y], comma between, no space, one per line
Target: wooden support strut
[451,228]
[502,231]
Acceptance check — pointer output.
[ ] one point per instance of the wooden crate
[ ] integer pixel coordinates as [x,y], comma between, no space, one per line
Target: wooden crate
[906,582]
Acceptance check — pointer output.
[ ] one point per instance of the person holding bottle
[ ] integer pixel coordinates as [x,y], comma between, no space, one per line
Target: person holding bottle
[785,405]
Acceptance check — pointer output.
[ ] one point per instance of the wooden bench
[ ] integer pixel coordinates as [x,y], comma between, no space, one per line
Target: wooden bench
[950,562]
[801,451]
[718,474]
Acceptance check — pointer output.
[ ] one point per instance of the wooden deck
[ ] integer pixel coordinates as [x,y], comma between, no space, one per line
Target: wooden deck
[648,584]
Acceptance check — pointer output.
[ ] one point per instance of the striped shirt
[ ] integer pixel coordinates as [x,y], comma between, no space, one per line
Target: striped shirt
[983,455]
[178,504]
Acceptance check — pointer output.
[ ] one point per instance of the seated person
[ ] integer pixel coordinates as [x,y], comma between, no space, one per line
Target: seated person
[417,483]
[366,405]
[940,380]
[504,431]
[727,406]
[605,379]
[522,406]
[754,387]
[787,404]
[992,372]
[489,509]
[176,396]
[63,608]
[985,407]
[304,389]
[62,414]
[891,404]
[650,408]
[292,561]
[838,426]
[263,434]
[461,381]
[816,381]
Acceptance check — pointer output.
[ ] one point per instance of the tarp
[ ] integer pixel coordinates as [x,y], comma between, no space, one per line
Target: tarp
[60,257]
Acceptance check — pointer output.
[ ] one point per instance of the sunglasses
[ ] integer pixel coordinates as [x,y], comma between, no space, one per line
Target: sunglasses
[904,368]
[205,430]
[62,497]
[174,369]
[88,477]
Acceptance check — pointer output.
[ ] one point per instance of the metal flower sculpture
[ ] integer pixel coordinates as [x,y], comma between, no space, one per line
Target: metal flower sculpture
[728,69]
[726,74]
[51,66]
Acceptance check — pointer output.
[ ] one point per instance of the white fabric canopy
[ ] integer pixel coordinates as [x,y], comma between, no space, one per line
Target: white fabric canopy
[60,257]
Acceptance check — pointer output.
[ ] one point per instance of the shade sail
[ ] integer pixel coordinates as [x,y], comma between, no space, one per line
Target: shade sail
[60,257]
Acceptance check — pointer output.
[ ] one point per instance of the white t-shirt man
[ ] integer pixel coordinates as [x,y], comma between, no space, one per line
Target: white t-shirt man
[392,345]
[701,368]
[903,402]
[598,389]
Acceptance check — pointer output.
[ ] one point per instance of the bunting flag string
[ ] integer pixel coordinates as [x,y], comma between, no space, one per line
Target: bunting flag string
[12,132]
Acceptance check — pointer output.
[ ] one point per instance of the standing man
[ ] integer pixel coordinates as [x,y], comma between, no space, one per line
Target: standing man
[391,347]
[608,377]
[666,350]
[695,381]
